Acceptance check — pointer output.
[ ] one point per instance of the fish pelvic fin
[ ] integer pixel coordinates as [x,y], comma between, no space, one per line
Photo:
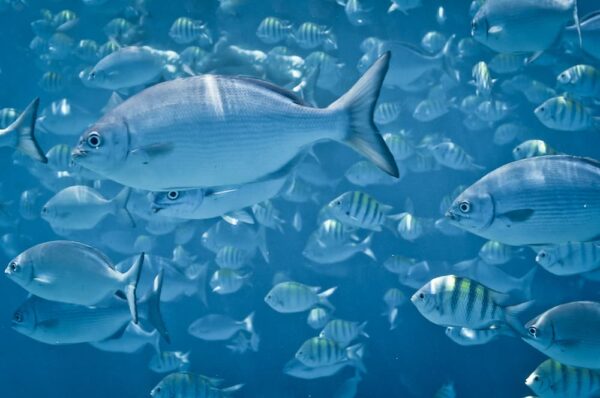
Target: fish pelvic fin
[120,205]
[359,104]
[131,278]
[23,131]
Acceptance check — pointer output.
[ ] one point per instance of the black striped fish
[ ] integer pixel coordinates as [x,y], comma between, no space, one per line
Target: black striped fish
[273,30]
[188,385]
[320,351]
[554,380]
[454,301]
[570,258]
[565,114]
[343,332]
[361,210]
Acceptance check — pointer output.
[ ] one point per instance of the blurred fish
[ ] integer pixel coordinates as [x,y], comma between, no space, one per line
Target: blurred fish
[532,148]
[309,35]
[496,253]
[343,332]
[217,327]
[552,379]
[228,281]
[364,173]
[185,384]
[404,5]
[320,351]
[318,317]
[273,30]
[470,337]
[569,258]
[185,31]
[451,155]
[169,361]
[290,297]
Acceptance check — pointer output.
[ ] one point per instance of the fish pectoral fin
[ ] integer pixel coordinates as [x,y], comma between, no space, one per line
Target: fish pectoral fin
[520,215]
[42,280]
[48,323]
[570,343]
[494,30]
[147,152]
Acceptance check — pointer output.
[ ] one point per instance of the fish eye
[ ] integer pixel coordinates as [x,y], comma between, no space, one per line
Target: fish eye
[172,195]
[44,210]
[94,140]
[338,203]
[542,109]
[17,317]
[536,378]
[14,267]
[421,296]
[474,25]
[542,254]
[464,207]
[532,331]
[92,75]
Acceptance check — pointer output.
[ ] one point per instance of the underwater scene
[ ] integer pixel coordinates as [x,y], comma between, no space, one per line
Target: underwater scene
[300,198]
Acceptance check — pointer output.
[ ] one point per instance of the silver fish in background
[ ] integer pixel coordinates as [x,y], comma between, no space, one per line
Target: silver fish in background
[568,333]
[553,380]
[535,201]
[71,272]
[217,327]
[471,337]
[152,146]
[290,297]
[570,258]
[185,384]
[130,340]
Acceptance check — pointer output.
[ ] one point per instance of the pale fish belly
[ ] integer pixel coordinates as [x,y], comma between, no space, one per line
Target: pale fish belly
[219,132]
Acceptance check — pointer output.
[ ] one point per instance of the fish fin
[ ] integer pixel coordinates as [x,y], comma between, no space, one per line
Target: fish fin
[24,128]
[495,29]
[359,103]
[355,354]
[511,314]
[232,389]
[120,204]
[238,216]
[366,244]
[272,87]
[446,56]
[262,243]
[249,323]
[361,329]
[533,57]
[43,280]
[147,152]
[131,278]
[577,24]
[153,315]
[324,295]
[518,215]
[114,101]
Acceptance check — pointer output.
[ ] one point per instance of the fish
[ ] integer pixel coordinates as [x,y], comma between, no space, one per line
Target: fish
[232,257]
[20,133]
[153,151]
[553,379]
[496,253]
[356,12]
[297,369]
[433,41]
[309,35]
[585,34]
[470,337]
[169,361]
[187,385]
[130,340]
[567,333]
[322,253]
[218,327]
[404,5]
[532,148]
[343,332]
[364,173]
[79,207]
[361,210]
[64,117]
[565,114]
[460,302]
[570,258]
[74,273]
[273,30]
[318,317]
[53,322]
[451,155]
[526,202]
[580,80]
[320,351]
[228,281]
[291,297]
[482,79]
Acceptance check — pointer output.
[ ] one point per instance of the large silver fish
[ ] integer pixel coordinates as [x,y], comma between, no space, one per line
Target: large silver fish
[534,201]
[568,333]
[207,131]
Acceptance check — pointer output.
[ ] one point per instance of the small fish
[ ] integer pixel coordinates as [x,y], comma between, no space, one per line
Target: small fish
[130,340]
[74,273]
[228,281]
[320,351]
[232,257]
[356,12]
[361,210]
[318,317]
[297,369]
[411,227]
[393,299]
[169,361]
[52,82]
[290,297]
[185,384]
[460,302]
[387,112]
[267,215]
[496,253]
[482,79]
[431,109]
[404,5]
[493,110]
[581,80]
[332,232]
[310,35]
[433,42]
[321,253]
[398,264]
[532,148]
[507,63]
[273,30]
[565,114]
[343,332]
[570,258]
[82,208]
[120,30]
[87,50]
[553,380]
[400,145]
[185,30]
[508,132]
[470,337]
[451,155]
[364,173]
[217,327]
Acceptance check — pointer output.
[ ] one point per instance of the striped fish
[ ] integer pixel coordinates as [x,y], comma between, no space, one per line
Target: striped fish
[343,332]
[451,155]
[64,20]
[506,63]
[332,232]
[318,317]
[565,114]
[52,82]
[410,227]
[532,148]
[482,79]
[319,351]
[190,385]
[496,253]
[554,380]
[581,80]
[267,215]
[118,29]
[430,109]
[232,257]
[469,337]
[273,30]
[508,132]
[169,361]
[387,112]
[399,144]
[186,30]
[397,264]
[59,157]
[107,48]
[87,50]
[359,209]
[570,258]
[309,35]
[228,281]
[493,110]
[455,301]
[290,297]
[30,203]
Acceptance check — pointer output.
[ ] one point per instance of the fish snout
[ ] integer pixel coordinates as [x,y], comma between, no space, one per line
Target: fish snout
[78,153]
[451,216]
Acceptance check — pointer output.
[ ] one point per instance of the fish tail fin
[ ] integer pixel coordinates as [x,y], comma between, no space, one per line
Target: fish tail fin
[152,303]
[355,354]
[155,342]
[366,244]
[446,57]
[199,277]
[511,316]
[249,323]
[23,128]
[392,317]
[131,278]
[262,243]
[577,23]
[120,204]
[230,390]
[526,282]
[324,297]
[185,360]
[359,102]
[361,329]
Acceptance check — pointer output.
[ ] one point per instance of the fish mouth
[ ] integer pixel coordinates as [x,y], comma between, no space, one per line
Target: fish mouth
[156,209]
[452,217]
[78,153]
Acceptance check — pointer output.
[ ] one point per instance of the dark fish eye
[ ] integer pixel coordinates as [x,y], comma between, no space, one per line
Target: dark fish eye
[17,317]
[172,195]
[542,254]
[338,203]
[542,109]
[94,140]
[464,207]
[92,75]
[536,378]
[14,267]
[421,296]
[532,331]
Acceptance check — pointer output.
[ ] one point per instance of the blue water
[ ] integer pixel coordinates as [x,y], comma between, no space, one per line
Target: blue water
[412,361]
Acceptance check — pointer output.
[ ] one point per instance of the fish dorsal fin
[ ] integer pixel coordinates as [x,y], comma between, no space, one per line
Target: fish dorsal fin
[586,18]
[272,87]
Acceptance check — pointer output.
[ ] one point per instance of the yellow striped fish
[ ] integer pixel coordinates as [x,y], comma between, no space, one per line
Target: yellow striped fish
[554,380]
